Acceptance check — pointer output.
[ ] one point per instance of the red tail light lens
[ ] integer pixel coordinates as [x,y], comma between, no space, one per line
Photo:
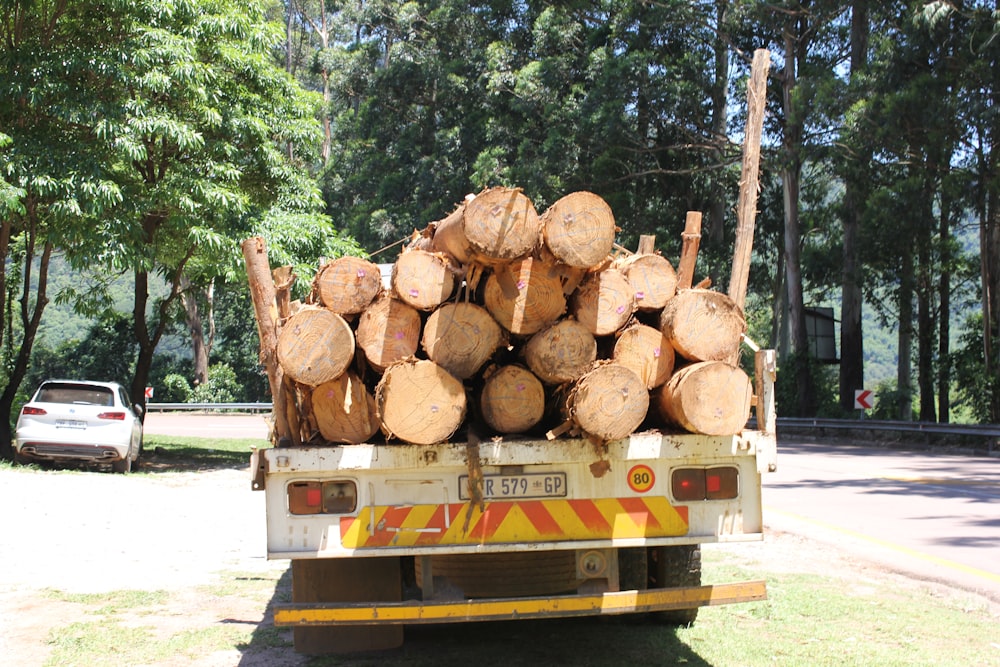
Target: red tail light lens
[692,484]
[338,497]
[28,410]
[117,416]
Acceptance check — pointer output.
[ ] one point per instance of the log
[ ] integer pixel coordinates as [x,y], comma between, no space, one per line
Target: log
[388,331]
[512,400]
[449,236]
[652,278]
[708,397]
[579,229]
[423,279]
[691,240]
[315,346]
[524,296]
[262,294]
[607,403]
[561,352]
[419,402]
[646,351]
[461,337]
[604,302]
[347,285]
[345,410]
[703,325]
[501,225]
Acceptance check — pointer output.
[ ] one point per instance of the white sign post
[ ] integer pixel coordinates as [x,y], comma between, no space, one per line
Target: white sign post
[864,399]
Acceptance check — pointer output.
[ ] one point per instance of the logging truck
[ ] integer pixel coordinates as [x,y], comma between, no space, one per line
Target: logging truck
[517,419]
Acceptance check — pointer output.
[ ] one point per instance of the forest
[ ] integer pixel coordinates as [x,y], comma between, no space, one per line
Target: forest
[142,140]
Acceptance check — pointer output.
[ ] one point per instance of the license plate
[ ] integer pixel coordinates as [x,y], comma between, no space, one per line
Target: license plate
[528,485]
[70,423]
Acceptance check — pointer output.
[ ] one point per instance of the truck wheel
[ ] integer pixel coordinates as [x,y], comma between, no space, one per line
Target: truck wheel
[673,567]
[347,580]
[633,569]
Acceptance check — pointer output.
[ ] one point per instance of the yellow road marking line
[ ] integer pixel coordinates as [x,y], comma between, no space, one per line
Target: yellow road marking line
[944,562]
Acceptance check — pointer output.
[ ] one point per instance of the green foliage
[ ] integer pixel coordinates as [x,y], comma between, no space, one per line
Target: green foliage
[222,386]
[974,387]
[173,389]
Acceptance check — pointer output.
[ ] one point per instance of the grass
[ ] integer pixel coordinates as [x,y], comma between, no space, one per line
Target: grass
[169,452]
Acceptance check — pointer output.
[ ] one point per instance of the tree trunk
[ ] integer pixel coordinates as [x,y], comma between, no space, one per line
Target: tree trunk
[852,375]
[790,178]
[200,345]
[904,370]
[925,292]
[944,316]
[31,318]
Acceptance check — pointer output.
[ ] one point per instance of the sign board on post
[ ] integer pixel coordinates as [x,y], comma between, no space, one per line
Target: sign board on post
[863,399]
[149,392]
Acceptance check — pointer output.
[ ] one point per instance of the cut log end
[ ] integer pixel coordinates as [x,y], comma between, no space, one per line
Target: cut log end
[344,410]
[501,224]
[703,325]
[608,403]
[652,278]
[561,352]
[647,352]
[512,400]
[579,229]
[420,402]
[315,346]
[708,397]
[604,302]
[388,331]
[422,279]
[525,296]
[461,337]
[347,285]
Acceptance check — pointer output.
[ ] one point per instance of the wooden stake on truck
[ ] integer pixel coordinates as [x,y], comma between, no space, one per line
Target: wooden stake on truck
[557,440]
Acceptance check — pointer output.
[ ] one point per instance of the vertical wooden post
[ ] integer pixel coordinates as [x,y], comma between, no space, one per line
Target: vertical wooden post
[746,211]
[263,295]
[689,250]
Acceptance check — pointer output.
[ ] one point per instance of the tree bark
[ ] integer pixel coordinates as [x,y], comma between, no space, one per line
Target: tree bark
[852,375]
[904,371]
[790,178]
[944,317]
[200,343]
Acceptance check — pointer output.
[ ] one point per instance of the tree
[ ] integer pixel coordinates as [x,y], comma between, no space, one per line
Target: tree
[57,67]
[196,150]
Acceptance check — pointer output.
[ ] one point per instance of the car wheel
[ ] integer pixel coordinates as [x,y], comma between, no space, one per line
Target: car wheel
[123,466]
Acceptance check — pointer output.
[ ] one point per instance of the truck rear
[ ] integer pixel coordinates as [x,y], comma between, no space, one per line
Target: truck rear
[385,535]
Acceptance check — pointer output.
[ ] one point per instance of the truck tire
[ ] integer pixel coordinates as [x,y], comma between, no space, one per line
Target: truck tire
[347,580]
[633,569]
[674,567]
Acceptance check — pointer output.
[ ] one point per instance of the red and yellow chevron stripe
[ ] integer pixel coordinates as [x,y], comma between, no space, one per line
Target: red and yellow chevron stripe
[513,521]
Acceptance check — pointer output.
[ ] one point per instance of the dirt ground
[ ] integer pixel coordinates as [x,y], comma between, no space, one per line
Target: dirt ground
[192,534]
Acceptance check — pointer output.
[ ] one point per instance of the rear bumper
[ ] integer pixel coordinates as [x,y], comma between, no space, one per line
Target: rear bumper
[57,451]
[499,609]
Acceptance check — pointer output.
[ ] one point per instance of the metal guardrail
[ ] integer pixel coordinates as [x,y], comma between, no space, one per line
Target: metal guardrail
[982,430]
[208,407]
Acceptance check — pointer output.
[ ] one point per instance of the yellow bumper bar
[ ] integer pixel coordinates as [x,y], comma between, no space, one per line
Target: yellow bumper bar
[500,609]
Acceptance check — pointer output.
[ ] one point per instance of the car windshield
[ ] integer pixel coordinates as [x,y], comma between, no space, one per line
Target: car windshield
[75,393]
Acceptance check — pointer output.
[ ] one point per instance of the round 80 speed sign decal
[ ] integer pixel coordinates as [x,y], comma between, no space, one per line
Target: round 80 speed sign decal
[641,478]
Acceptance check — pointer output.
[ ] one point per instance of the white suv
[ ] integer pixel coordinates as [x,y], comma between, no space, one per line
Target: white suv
[80,420]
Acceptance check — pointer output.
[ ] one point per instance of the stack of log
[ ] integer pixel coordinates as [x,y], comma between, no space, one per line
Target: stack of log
[500,317]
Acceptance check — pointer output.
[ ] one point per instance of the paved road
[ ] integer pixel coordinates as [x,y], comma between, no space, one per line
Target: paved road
[931,515]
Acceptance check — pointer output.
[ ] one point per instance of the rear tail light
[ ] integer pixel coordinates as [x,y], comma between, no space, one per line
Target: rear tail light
[335,497]
[718,483]
[117,416]
[28,410]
